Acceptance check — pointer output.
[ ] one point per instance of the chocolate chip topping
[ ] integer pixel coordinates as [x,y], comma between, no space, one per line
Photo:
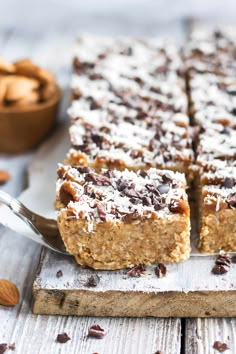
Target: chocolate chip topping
[98,180]
[3,348]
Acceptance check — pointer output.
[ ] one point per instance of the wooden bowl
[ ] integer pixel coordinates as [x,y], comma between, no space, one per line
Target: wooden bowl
[23,128]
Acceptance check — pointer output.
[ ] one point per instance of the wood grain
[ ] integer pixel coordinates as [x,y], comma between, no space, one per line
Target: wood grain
[118,294]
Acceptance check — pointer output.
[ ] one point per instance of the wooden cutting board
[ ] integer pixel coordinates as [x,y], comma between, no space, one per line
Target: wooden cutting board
[188,290]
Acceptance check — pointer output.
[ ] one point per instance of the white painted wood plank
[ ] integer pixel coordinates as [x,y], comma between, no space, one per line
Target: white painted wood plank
[200,335]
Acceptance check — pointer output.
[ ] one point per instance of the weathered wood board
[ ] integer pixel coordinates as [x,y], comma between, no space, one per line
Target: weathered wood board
[188,290]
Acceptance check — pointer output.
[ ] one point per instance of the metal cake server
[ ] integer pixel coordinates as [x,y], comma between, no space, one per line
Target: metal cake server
[44,230]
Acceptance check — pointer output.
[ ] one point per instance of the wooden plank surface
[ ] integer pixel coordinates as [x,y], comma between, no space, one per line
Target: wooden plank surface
[200,335]
[19,256]
[118,294]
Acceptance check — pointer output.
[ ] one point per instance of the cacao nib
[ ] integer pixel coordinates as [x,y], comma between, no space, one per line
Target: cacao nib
[166,178]
[96,331]
[223,259]
[62,338]
[93,280]
[3,348]
[229,182]
[137,270]
[147,201]
[121,184]
[220,269]
[231,200]
[59,274]
[12,346]
[221,347]
[102,212]
[98,180]
[109,173]
[143,173]
[84,169]
[160,270]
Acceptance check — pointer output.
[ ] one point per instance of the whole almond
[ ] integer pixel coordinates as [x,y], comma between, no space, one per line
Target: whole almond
[9,294]
[19,87]
[31,98]
[4,176]
[47,91]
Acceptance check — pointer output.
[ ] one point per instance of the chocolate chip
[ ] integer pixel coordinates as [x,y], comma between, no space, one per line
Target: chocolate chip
[59,274]
[231,200]
[3,348]
[96,331]
[160,270]
[221,347]
[62,338]
[229,182]
[163,188]
[93,280]
[137,271]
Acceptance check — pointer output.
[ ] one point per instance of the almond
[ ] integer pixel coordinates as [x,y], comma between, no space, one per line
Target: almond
[4,176]
[31,98]
[6,66]
[19,87]
[9,294]
[25,67]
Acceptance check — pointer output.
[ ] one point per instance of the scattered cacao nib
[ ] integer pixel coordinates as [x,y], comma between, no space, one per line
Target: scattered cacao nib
[163,188]
[137,271]
[222,264]
[62,338]
[231,200]
[223,259]
[93,280]
[160,270]
[229,182]
[221,347]
[102,212]
[4,176]
[158,352]
[219,269]
[121,184]
[233,259]
[3,348]
[96,331]
[98,180]
[59,273]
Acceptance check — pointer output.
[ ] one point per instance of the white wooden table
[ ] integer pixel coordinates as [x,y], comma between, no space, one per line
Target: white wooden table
[19,258]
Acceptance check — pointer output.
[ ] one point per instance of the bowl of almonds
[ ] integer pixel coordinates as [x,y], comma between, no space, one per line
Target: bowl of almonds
[29,100]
